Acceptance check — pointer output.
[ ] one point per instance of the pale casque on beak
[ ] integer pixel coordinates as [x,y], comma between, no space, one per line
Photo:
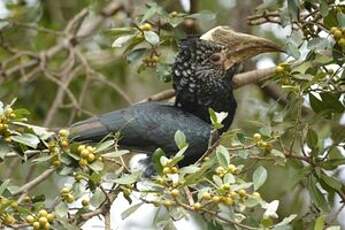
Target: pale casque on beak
[239,46]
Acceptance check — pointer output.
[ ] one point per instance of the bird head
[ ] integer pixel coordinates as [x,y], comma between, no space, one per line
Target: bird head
[217,53]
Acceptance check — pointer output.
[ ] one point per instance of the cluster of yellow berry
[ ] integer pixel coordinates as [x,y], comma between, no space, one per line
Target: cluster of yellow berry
[87,155]
[339,36]
[283,71]
[42,220]
[264,145]
[66,195]
[151,61]
[5,217]
[5,118]
[221,171]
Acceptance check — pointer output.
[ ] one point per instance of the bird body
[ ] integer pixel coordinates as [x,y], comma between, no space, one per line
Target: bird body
[148,126]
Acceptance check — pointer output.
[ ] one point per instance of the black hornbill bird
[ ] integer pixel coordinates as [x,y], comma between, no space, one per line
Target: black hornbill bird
[202,75]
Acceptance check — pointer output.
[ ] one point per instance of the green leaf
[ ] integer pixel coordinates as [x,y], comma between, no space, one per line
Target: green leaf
[97,166]
[315,103]
[27,139]
[223,156]
[332,102]
[180,139]
[61,209]
[293,50]
[316,195]
[320,223]
[151,37]
[204,16]
[130,210]
[115,154]
[331,182]
[324,8]
[121,31]
[293,8]
[136,54]
[128,178]
[259,177]
[97,198]
[4,186]
[104,146]
[152,11]
[4,149]
[122,40]
[312,138]
[341,19]
[156,159]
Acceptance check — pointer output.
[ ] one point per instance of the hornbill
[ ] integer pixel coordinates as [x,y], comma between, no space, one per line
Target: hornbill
[202,75]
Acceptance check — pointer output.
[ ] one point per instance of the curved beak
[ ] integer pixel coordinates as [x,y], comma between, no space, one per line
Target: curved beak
[239,46]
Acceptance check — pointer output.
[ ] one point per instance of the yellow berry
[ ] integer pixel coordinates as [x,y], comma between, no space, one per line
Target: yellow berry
[82,163]
[216,199]
[155,58]
[175,192]
[85,202]
[334,29]
[43,220]
[220,170]
[232,168]
[36,225]
[65,190]
[341,42]
[64,133]
[14,205]
[279,69]
[228,201]
[173,170]
[9,219]
[167,203]
[84,153]
[91,157]
[12,115]
[173,14]
[166,170]
[50,217]
[56,163]
[43,213]
[256,194]
[69,198]
[91,149]
[64,143]
[206,196]
[78,177]
[46,226]
[233,194]
[257,137]
[81,148]
[242,192]
[146,27]
[226,187]
[30,219]
[196,206]
[337,34]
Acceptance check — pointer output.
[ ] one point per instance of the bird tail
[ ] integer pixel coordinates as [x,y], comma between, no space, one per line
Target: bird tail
[91,130]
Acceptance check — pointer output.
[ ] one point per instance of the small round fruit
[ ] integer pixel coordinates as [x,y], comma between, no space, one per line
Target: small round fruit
[82,163]
[46,226]
[65,190]
[173,170]
[341,42]
[78,177]
[84,153]
[226,186]
[50,217]
[9,219]
[43,213]
[228,201]
[56,163]
[256,195]
[216,199]
[81,148]
[91,157]
[64,143]
[196,206]
[64,133]
[167,203]
[220,170]
[333,29]
[85,202]
[257,137]
[30,219]
[43,220]
[36,225]
[146,27]
[166,170]
[69,198]
[232,168]
[175,192]
[337,34]
[279,69]
[206,196]
[242,192]
[173,14]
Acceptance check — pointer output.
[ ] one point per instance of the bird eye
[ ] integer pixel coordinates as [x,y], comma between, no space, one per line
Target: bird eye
[215,57]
